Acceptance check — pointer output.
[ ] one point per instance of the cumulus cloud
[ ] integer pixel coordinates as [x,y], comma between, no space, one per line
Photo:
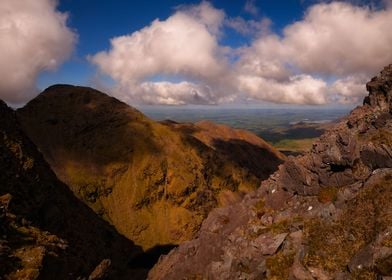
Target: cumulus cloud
[205,14]
[334,41]
[348,90]
[300,89]
[249,27]
[183,45]
[176,93]
[327,56]
[340,39]
[33,38]
[251,8]
[387,3]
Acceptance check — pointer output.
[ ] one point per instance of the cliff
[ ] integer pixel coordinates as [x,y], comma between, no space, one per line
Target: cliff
[324,215]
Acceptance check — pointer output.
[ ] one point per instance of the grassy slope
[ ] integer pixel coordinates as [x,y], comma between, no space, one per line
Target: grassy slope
[153,183]
[295,145]
[44,228]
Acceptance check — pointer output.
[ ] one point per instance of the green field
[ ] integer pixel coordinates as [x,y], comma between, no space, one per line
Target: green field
[295,145]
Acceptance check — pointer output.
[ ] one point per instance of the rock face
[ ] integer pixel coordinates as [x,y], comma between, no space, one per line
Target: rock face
[154,182]
[324,215]
[44,229]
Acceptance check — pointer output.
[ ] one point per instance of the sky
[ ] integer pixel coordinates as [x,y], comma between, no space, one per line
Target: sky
[196,52]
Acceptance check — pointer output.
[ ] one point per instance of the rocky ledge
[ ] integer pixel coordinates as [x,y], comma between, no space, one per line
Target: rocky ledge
[324,215]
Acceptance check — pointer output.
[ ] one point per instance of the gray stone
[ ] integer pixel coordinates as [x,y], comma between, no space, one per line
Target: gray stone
[268,244]
[362,259]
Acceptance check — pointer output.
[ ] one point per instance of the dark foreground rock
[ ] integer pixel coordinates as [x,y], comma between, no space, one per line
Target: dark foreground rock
[325,215]
[45,231]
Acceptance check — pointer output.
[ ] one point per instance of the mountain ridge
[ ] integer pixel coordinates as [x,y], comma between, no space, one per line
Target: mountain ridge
[44,229]
[324,215]
[153,182]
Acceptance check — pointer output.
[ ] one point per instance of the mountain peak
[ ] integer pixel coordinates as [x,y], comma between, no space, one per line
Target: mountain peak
[44,228]
[379,88]
[323,215]
[154,182]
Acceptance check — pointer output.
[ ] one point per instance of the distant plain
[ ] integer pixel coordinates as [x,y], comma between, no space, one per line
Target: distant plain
[292,130]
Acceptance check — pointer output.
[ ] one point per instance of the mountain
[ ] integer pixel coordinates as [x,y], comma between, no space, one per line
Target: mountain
[241,146]
[324,215]
[154,182]
[44,229]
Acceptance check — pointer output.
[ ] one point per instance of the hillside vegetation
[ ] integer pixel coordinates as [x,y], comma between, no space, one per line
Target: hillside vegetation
[155,183]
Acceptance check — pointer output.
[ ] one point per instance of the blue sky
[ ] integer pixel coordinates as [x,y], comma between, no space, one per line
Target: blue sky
[172,52]
[96,24]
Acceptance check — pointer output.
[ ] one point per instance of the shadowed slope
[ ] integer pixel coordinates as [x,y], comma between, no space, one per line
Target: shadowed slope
[239,146]
[45,230]
[154,183]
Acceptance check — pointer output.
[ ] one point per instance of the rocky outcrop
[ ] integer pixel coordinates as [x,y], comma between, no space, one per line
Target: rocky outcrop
[153,182]
[324,215]
[44,229]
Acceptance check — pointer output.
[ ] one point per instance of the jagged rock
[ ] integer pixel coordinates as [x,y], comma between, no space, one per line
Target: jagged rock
[268,244]
[101,271]
[297,270]
[336,213]
[383,260]
[297,179]
[319,274]
[377,156]
[379,90]
[362,259]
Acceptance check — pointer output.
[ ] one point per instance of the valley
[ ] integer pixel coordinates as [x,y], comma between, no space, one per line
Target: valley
[291,130]
[195,140]
[219,202]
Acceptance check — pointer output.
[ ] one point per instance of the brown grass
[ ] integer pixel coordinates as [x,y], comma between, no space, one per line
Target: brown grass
[328,194]
[332,244]
[278,265]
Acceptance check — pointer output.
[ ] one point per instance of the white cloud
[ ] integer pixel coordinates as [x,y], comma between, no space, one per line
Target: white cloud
[206,14]
[300,89]
[349,89]
[175,93]
[340,39]
[387,3]
[251,8]
[33,38]
[335,41]
[325,57]
[183,45]
[249,27]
